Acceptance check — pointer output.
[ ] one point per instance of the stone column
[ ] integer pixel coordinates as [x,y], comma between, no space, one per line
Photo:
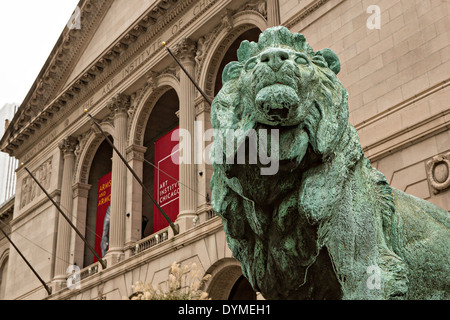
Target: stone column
[273,13]
[119,107]
[80,198]
[186,51]
[135,158]
[203,112]
[67,147]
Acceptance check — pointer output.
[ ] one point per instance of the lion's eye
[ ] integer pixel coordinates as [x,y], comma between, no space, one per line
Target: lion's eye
[250,64]
[301,60]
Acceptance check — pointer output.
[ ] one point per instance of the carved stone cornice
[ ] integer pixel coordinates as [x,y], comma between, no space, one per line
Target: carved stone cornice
[137,45]
[41,103]
[57,68]
[7,211]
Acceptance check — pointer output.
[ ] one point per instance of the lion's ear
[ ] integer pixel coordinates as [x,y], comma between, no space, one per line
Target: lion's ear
[231,71]
[332,60]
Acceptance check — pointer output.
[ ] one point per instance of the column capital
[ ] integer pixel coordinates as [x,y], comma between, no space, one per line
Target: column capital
[68,145]
[186,50]
[119,104]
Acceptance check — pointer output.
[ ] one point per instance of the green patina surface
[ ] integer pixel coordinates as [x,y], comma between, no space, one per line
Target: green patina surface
[327,225]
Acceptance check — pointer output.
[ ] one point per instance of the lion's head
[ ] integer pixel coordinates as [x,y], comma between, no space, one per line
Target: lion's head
[271,221]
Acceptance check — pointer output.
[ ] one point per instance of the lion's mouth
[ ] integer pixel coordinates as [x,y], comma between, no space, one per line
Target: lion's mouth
[275,103]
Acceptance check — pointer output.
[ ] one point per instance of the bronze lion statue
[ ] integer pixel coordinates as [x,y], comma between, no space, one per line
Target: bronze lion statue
[325,225]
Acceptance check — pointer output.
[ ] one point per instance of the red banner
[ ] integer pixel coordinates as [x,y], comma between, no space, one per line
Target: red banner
[166,188]
[103,216]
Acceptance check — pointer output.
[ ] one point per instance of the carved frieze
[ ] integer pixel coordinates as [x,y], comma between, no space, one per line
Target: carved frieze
[30,190]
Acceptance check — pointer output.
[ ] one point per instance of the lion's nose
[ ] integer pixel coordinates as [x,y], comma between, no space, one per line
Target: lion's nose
[274,58]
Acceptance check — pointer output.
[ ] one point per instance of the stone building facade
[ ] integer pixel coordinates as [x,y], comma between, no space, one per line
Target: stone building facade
[114,66]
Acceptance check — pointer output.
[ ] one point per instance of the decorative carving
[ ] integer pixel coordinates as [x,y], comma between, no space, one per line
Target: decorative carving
[186,49]
[438,172]
[68,145]
[82,140]
[172,70]
[259,7]
[119,104]
[30,190]
[204,43]
[227,20]
[150,85]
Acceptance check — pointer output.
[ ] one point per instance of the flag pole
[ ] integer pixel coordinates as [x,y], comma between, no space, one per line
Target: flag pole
[49,290]
[67,219]
[174,227]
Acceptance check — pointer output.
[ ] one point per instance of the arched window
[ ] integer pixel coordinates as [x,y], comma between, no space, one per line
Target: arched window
[162,121]
[3,273]
[100,168]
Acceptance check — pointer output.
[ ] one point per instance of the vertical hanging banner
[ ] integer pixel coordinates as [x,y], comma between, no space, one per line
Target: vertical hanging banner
[166,188]
[103,217]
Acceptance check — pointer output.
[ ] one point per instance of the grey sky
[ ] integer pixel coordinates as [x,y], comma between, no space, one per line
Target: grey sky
[29,30]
